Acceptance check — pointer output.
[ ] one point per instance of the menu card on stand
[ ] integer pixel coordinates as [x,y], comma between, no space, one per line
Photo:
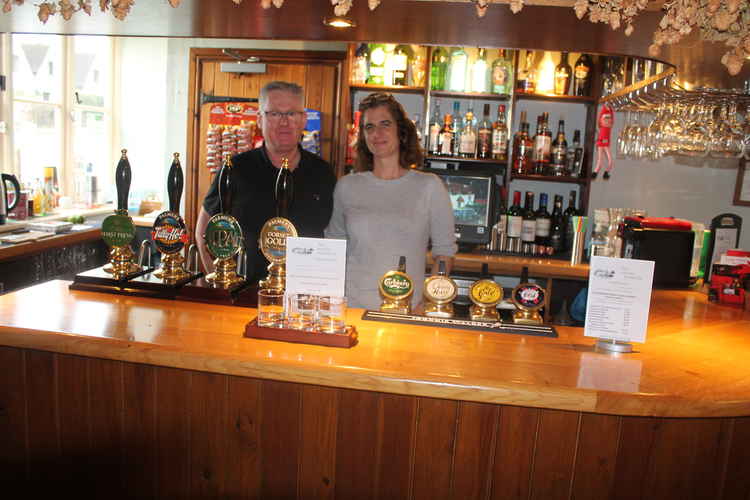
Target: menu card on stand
[618,302]
[316,266]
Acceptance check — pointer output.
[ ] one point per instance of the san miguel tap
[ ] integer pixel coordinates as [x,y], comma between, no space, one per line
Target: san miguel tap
[528,298]
[118,230]
[223,234]
[169,233]
[275,231]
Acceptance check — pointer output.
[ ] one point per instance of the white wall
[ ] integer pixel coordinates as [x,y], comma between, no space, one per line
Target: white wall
[687,188]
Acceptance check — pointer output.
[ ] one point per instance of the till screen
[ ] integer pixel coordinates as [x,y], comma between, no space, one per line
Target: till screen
[470,198]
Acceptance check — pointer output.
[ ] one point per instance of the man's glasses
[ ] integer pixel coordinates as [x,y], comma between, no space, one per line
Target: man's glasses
[276,116]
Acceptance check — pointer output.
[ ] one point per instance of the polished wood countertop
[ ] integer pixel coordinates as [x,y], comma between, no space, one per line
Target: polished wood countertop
[539,267]
[694,363]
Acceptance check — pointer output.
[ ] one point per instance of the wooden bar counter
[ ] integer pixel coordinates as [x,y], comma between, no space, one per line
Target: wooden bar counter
[121,397]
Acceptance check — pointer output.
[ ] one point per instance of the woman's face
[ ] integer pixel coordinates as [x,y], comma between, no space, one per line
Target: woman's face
[381,132]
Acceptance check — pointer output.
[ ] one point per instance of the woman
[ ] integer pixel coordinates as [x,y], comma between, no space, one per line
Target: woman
[386,209]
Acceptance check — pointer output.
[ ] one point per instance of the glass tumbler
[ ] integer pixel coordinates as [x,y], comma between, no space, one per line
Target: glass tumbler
[271,308]
[332,315]
[302,311]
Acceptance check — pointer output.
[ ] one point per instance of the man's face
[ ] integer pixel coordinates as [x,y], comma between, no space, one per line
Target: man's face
[282,121]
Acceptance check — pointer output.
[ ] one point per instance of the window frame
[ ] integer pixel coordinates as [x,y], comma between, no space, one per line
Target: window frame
[67,108]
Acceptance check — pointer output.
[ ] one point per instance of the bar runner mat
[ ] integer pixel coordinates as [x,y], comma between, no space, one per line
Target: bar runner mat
[462,324]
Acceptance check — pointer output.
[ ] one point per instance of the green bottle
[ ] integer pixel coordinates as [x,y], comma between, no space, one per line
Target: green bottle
[439,69]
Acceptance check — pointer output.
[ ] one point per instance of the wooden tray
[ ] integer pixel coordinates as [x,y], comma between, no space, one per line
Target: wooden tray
[346,340]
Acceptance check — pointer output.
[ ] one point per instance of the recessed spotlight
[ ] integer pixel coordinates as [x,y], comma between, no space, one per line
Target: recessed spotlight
[339,22]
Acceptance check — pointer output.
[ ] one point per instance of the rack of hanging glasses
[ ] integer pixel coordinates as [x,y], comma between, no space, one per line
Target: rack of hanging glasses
[664,118]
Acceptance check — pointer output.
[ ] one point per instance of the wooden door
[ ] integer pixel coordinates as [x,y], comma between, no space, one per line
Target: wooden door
[319,73]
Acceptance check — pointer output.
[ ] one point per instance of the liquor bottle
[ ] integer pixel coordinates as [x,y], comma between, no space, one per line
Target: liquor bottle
[433,146]
[39,199]
[284,189]
[559,152]
[499,235]
[528,225]
[569,213]
[479,73]
[485,136]
[468,145]
[575,156]
[457,127]
[582,76]
[361,64]
[390,51]
[447,136]
[608,78]
[459,63]
[523,150]
[502,71]
[557,227]
[515,223]
[530,85]
[400,63]
[500,135]
[439,69]
[563,72]
[542,145]
[377,64]
[543,225]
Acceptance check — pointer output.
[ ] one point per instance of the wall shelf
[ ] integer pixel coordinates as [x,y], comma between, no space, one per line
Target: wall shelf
[470,95]
[455,159]
[549,178]
[554,98]
[392,88]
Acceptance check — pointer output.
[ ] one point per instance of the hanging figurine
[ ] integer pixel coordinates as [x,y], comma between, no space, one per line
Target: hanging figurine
[605,121]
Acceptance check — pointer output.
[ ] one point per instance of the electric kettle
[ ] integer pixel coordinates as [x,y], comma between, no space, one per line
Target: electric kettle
[5,206]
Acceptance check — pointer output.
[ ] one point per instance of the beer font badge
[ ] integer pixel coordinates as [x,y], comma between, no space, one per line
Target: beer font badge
[485,293]
[528,296]
[273,237]
[169,233]
[440,289]
[223,236]
[396,285]
[118,230]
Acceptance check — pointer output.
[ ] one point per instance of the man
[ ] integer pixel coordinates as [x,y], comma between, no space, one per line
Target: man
[282,119]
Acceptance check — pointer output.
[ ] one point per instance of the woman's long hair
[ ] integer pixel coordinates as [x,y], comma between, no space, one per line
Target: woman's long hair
[410,150]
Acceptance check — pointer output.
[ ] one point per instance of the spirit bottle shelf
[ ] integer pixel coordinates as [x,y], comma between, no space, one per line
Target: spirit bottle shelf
[549,178]
[457,159]
[470,95]
[394,88]
[554,98]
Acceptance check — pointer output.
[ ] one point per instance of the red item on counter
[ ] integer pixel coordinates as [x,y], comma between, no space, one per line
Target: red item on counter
[667,223]
[727,284]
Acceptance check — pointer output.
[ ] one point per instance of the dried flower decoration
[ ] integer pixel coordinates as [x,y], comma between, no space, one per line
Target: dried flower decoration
[726,21]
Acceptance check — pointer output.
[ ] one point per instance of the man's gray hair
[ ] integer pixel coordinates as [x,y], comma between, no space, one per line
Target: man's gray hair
[290,87]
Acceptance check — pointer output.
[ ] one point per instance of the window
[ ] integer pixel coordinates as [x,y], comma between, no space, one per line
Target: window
[62,94]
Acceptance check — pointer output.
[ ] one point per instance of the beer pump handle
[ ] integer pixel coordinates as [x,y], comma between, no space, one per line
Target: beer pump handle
[175,183]
[225,181]
[123,176]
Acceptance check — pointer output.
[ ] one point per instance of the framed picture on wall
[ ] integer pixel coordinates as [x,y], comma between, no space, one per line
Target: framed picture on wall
[742,188]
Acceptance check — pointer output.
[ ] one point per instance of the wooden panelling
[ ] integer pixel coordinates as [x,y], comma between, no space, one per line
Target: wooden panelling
[112,429]
[243,439]
[13,419]
[475,450]
[357,445]
[208,417]
[397,422]
[737,471]
[554,455]
[318,447]
[139,428]
[597,456]
[280,438]
[514,454]
[435,441]
[173,394]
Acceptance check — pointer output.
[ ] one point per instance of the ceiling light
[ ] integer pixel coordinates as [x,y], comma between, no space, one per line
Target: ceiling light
[339,22]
